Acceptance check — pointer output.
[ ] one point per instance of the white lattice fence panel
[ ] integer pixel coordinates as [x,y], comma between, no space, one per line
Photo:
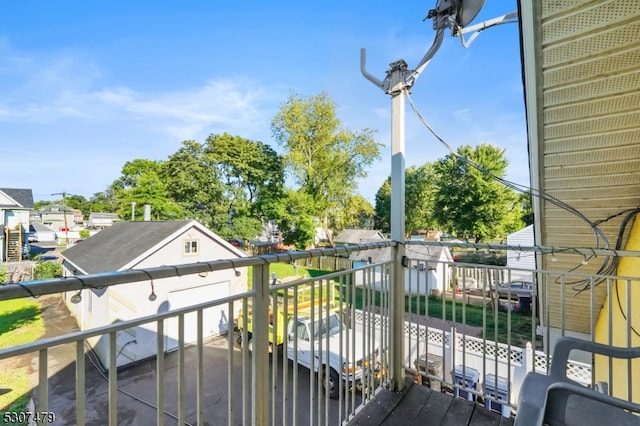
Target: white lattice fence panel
[489,349]
[578,371]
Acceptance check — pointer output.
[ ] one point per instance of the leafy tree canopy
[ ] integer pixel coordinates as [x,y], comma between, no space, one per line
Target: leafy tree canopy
[355,212]
[469,202]
[420,190]
[229,183]
[297,222]
[325,159]
[141,183]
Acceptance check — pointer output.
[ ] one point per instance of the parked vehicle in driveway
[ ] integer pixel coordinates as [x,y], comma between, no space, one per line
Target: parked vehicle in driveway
[514,290]
[315,337]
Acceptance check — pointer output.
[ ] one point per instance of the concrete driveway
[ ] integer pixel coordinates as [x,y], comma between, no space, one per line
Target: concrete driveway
[136,395]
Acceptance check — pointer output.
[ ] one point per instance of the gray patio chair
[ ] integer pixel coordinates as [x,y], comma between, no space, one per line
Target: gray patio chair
[554,399]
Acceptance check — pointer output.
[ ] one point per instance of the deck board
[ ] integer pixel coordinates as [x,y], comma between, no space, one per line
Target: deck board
[435,409]
[459,412]
[419,405]
[408,410]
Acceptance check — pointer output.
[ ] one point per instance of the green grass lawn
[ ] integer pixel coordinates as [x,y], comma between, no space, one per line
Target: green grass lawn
[494,324]
[20,323]
[284,270]
[469,314]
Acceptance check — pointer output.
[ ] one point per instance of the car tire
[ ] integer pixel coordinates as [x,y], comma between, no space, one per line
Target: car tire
[333,385]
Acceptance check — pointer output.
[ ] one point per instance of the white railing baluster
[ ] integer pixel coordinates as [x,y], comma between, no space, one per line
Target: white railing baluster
[260,338]
[43,381]
[230,368]
[199,370]
[80,383]
[160,372]
[113,381]
[181,373]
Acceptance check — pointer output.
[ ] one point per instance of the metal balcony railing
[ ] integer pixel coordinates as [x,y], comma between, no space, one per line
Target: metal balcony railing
[282,356]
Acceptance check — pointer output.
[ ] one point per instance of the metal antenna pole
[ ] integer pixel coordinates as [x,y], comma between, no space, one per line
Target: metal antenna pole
[395,85]
[454,15]
[398,73]
[398,81]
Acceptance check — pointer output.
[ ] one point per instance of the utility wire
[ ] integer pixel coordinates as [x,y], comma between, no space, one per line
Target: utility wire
[608,265]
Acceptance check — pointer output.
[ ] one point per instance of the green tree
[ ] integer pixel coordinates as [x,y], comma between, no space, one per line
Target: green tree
[469,202]
[527,210]
[420,190]
[229,183]
[193,182]
[104,201]
[354,212]
[325,159]
[252,178]
[142,183]
[77,202]
[297,222]
[383,207]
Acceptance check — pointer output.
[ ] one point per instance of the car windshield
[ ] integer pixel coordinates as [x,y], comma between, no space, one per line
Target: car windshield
[330,325]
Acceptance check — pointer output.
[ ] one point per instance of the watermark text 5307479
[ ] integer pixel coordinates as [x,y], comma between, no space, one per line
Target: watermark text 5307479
[12,417]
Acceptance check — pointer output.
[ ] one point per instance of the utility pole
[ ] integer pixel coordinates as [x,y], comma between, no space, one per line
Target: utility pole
[64,216]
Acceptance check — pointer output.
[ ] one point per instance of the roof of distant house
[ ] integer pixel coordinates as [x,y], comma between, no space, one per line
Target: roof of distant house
[38,227]
[115,247]
[103,215]
[56,208]
[358,236]
[413,251]
[22,197]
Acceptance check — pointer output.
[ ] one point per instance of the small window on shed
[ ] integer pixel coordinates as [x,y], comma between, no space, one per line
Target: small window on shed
[190,247]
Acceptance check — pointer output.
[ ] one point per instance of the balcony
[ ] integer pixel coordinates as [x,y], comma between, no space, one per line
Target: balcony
[457,346]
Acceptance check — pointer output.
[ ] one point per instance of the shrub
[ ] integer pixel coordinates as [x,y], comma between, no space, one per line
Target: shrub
[46,270]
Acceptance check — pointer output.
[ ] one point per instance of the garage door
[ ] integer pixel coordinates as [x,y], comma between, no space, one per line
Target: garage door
[214,320]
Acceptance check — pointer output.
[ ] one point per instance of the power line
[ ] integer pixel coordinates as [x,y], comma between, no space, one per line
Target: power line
[609,263]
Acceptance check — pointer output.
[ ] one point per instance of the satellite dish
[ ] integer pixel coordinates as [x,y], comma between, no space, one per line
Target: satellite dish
[467,11]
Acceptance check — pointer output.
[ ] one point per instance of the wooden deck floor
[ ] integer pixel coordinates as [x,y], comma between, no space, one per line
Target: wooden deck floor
[419,405]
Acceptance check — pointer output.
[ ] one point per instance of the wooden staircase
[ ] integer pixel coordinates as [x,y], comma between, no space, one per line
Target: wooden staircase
[14,244]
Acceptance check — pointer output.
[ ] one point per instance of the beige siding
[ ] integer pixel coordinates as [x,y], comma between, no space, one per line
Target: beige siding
[588,98]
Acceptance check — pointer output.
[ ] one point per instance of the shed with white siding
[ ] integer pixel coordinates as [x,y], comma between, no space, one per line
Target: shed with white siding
[518,261]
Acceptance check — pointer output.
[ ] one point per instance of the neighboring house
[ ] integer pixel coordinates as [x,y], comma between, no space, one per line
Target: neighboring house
[521,264]
[430,235]
[99,220]
[357,236]
[43,233]
[143,245]
[428,274]
[78,218]
[15,208]
[57,217]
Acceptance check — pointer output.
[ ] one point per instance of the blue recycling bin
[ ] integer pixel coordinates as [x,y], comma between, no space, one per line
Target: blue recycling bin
[498,388]
[468,378]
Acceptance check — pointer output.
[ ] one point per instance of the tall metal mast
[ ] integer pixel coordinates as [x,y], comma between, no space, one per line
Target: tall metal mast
[454,15]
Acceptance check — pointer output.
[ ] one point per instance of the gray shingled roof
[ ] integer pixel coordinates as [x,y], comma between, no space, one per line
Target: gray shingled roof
[412,251]
[358,236]
[114,247]
[24,197]
[38,227]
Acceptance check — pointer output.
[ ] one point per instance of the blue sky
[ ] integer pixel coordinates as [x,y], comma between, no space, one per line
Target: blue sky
[86,86]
